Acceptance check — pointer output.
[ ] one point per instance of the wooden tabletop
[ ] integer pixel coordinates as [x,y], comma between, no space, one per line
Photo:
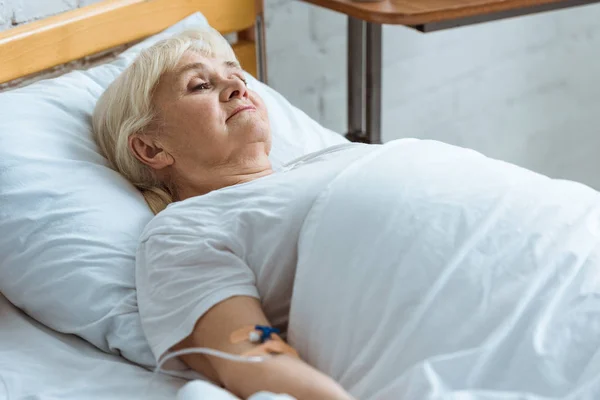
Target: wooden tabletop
[420,12]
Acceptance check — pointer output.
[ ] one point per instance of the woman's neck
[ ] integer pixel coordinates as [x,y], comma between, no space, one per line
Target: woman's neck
[220,178]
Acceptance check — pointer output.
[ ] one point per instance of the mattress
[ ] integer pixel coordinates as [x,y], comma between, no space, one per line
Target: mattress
[38,363]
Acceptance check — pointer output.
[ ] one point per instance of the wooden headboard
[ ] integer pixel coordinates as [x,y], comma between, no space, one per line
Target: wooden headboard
[40,45]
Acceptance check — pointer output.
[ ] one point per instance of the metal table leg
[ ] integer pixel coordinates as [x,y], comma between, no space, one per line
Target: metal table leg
[261,53]
[364,81]
[374,70]
[356,82]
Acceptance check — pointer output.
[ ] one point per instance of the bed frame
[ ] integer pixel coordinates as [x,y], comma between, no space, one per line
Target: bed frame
[35,47]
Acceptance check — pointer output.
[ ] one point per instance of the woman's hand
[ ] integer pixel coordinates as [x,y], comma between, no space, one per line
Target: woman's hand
[279,374]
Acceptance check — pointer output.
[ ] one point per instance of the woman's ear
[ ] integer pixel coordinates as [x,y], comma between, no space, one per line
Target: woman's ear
[148,152]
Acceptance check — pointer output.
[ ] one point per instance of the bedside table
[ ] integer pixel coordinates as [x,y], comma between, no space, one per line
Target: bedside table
[364,41]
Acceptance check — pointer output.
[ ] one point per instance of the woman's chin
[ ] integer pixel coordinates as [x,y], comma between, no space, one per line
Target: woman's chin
[259,147]
[254,131]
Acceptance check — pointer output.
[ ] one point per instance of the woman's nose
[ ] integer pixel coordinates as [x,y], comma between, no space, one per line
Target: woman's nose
[235,89]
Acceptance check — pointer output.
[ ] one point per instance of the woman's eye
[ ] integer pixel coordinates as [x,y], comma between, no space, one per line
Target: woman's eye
[201,86]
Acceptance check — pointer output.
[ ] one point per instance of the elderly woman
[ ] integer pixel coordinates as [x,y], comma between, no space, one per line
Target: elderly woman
[181,124]
[474,274]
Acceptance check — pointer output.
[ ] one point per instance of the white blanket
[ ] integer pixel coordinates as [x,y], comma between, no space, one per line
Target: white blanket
[428,271]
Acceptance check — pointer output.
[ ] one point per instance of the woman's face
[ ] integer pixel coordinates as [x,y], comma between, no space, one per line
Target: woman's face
[208,120]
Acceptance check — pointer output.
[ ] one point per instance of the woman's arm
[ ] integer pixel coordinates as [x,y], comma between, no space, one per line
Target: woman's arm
[280,374]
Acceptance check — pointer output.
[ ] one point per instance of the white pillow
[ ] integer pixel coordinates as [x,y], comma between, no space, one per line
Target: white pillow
[69,225]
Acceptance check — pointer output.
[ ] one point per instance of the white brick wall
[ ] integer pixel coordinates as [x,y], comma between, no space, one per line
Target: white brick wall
[27,10]
[525,90]
[5,15]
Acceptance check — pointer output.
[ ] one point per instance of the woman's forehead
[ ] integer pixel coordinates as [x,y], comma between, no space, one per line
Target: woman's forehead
[195,60]
[190,56]
[192,62]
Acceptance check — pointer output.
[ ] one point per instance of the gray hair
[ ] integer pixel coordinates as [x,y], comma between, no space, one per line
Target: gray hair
[126,106]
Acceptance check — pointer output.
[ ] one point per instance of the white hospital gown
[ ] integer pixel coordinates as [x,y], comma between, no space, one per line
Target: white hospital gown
[237,241]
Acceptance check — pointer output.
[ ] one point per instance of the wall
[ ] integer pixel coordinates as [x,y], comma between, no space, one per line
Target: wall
[525,90]
[16,12]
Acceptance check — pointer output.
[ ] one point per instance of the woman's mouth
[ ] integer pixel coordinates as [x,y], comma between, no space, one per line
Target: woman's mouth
[240,110]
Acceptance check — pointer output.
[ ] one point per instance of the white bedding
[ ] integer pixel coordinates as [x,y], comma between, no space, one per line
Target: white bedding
[428,271]
[37,363]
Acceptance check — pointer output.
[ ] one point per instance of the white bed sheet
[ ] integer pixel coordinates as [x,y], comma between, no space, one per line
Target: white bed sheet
[37,363]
